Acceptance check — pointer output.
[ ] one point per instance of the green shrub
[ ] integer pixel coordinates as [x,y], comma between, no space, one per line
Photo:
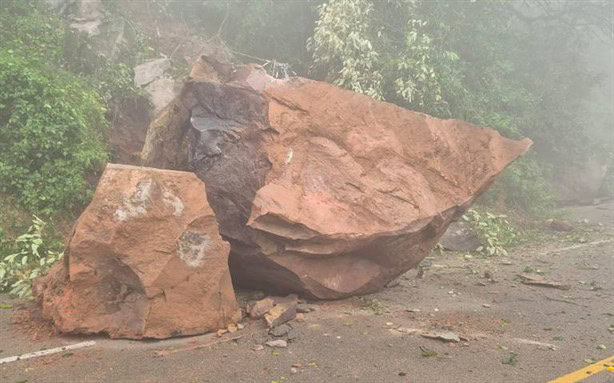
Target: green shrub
[494,231]
[31,33]
[51,134]
[52,122]
[28,257]
[112,77]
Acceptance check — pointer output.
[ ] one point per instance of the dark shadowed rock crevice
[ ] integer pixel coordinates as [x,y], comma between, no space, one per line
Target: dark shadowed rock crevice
[319,190]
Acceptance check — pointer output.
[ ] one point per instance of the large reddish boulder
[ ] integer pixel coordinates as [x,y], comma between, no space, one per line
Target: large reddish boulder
[322,191]
[145,260]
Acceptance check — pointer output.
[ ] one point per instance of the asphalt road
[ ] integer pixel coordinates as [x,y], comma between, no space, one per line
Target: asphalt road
[510,331]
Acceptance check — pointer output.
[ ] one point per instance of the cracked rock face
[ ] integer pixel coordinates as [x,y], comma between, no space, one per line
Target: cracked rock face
[322,191]
[145,260]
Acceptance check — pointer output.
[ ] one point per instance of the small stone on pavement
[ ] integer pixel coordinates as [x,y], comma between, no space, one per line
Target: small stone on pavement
[305,308]
[279,343]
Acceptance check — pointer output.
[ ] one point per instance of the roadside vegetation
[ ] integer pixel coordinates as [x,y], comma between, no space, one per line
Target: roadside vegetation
[27,257]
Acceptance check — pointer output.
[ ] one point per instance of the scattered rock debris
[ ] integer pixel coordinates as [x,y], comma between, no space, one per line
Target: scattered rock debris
[280,314]
[540,281]
[278,343]
[446,336]
[304,308]
[261,307]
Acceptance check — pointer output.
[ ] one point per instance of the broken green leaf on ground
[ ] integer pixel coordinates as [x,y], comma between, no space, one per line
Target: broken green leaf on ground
[373,305]
[511,359]
[427,353]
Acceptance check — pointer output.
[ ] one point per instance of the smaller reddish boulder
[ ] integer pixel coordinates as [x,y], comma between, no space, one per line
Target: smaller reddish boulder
[144,260]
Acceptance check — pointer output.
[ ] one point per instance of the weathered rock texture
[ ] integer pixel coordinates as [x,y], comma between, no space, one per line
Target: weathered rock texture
[153,77]
[320,190]
[145,260]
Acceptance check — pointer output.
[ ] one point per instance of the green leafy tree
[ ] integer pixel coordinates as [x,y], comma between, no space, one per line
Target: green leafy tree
[341,44]
[52,123]
[381,49]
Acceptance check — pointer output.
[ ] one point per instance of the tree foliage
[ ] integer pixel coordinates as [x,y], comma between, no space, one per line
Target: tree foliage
[51,121]
[381,49]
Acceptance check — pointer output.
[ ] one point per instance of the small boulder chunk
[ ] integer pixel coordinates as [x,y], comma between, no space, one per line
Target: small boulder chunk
[152,76]
[144,260]
[279,343]
[147,72]
[305,308]
[281,313]
[445,336]
[261,307]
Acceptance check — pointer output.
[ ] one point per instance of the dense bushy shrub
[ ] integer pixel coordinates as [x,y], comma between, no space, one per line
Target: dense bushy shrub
[51,134]
[52,122]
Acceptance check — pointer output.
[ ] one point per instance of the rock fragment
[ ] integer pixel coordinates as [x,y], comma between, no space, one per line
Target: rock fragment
[149,71]
[261,307]
[280,314]
[144,260]
[446,336]
[278,343]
